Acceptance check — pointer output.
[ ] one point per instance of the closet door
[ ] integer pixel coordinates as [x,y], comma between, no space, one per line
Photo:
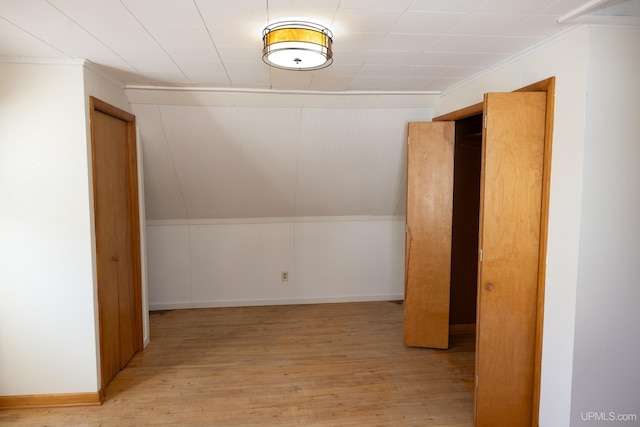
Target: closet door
[117,231]
[509,241]
[430,155]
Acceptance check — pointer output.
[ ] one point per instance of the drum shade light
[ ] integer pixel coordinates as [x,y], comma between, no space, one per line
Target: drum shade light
[297,45]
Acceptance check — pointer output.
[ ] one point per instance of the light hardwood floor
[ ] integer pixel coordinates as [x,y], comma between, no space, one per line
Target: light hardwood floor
[297,365]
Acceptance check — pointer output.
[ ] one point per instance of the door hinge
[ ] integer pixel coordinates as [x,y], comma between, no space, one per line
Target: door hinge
[476,381]
[485,121]
[480,255]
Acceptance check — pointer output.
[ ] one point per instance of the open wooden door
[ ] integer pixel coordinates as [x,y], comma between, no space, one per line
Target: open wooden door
[509,240]
[430,156]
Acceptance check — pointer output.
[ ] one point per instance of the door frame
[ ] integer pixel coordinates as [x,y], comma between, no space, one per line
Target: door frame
[97,105]
[548,85]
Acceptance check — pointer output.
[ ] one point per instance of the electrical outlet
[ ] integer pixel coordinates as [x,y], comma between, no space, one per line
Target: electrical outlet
[284,276]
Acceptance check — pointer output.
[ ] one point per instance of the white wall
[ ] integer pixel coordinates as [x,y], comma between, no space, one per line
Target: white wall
[231,263]
[48,307]
[314,185]
[47,319]
[606,377]
[566,58]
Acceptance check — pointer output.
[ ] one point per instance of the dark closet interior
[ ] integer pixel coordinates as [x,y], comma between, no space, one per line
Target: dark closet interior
[466,210]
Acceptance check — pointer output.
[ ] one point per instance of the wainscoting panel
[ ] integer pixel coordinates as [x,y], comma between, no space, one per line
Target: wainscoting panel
[349,259]
[168,266]
[237,262]
[240,262]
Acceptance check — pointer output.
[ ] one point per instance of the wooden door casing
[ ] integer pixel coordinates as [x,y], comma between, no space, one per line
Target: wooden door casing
[117,237]
[509,240]
[430,156]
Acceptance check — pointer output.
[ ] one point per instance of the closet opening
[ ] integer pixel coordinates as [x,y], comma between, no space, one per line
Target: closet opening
[479,178]
[465,223]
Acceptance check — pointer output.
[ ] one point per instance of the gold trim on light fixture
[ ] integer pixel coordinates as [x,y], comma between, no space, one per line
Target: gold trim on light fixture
[297,45]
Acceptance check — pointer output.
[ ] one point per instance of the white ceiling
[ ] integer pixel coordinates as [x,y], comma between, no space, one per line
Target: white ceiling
[257,142]
[379,45]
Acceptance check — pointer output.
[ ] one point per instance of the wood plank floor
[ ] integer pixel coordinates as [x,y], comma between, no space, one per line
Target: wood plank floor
[297,365]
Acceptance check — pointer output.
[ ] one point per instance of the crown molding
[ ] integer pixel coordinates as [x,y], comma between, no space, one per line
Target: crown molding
[539,46]
[42,61]
[99,70]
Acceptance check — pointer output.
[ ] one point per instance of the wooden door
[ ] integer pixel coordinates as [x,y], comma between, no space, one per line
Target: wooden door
[509,239]
[117,242]
[430,154]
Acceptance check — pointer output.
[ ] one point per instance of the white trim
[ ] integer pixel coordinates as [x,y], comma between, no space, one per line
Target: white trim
[279,92]
[103,73]
[278,99]
[144,275]
[281,301]
[581,15]
[42,61]
[581,10]
[224,221]
[608,21]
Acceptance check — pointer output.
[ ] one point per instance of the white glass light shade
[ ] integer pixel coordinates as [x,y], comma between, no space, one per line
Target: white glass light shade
[297,46]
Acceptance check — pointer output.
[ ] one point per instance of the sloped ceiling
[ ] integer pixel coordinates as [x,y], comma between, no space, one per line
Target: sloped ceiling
[205,162]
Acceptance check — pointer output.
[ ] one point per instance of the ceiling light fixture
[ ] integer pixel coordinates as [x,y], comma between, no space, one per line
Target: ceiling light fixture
[297,45]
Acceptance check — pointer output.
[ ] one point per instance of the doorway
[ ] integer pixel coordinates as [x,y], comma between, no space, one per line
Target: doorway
[465,223]
[513,194]
[117,228]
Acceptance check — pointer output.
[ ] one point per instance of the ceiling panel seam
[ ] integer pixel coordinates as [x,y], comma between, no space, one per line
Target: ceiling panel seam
[155,40]
[34,36]
[213,43]
[90,34]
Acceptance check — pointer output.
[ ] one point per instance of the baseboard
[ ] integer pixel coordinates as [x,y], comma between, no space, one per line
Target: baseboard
[284,301]
[51,400]
[467,328]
